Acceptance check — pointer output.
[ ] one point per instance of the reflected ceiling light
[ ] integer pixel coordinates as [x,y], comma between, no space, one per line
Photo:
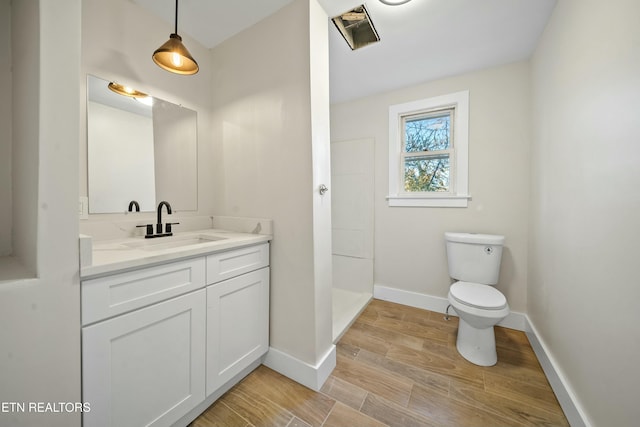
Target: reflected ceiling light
[147,100]
[126,90]
[173,56]
[394,2]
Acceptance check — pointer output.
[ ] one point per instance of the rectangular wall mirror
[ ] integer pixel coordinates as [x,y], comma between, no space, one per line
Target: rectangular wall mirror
[142,149]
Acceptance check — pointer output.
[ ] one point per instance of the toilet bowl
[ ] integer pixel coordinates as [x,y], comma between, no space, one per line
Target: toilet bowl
[474,261]
[480,308]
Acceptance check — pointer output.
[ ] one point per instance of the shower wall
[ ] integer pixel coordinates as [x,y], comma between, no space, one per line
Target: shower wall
[352,172]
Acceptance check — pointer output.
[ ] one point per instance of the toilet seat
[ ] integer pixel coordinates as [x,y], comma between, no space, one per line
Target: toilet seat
[477,295]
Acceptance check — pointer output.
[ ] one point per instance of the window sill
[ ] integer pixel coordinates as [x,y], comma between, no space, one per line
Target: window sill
[429,201]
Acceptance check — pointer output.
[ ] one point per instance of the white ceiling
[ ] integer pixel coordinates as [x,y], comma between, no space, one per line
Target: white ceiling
[420,41]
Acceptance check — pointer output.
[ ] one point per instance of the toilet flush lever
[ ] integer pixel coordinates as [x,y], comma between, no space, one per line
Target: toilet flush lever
[323,189]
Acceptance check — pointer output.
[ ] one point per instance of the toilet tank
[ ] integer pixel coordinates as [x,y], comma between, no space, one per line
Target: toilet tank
[474,257]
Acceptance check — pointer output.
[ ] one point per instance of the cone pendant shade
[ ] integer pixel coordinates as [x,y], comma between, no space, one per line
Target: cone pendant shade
[173,56]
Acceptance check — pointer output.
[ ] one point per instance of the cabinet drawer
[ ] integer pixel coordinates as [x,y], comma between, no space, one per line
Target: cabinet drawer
[225,265]
[119,293]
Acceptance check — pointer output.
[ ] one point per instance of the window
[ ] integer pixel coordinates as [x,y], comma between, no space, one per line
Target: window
[426,151]
[428,146]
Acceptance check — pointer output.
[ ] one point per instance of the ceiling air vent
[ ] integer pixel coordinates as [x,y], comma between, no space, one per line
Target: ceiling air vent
[356,27]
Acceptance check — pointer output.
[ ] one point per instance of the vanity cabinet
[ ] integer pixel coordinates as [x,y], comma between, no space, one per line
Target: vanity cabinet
[157,341]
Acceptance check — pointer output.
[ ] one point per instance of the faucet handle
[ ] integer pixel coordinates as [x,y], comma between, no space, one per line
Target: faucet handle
[149,228]
[167,226]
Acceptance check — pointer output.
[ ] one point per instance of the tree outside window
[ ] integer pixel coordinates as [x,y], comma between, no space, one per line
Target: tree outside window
[427,150]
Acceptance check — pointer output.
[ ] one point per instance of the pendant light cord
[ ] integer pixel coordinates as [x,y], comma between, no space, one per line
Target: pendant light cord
[176,16]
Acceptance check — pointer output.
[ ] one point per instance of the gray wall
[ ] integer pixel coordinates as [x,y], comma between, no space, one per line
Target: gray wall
[5,128]
[270,124]
[40,318]
[583,286]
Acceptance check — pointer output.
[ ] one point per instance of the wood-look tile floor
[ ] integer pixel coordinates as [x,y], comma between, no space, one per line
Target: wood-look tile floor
[398,366]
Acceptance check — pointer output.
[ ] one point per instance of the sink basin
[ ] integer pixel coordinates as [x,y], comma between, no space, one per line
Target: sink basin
[161,243]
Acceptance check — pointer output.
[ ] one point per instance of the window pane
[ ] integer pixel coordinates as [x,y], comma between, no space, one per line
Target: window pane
[427,133]
[428,173]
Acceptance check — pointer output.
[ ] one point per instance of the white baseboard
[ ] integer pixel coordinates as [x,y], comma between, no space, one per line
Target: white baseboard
[567,399]
[514,320]
[304,373]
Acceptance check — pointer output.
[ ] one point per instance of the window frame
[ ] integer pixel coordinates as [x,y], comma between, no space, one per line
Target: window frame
[457,196]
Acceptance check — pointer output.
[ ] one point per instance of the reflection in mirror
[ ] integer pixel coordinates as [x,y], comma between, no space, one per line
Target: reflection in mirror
[142,149]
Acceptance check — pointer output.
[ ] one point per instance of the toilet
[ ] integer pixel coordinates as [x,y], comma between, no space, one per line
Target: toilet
[474,261]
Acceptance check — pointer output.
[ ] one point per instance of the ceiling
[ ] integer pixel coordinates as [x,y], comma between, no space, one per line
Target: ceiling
[420,41]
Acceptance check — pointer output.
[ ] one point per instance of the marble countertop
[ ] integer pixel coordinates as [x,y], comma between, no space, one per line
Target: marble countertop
[112,256]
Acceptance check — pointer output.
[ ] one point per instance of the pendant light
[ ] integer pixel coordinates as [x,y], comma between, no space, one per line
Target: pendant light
[173,56]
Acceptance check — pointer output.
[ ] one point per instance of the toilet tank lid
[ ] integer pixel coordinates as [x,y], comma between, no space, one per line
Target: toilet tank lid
[481,239]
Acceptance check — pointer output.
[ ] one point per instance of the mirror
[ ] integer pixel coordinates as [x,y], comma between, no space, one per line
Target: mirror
[139,148]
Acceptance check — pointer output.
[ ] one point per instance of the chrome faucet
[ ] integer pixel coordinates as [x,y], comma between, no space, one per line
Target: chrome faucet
[159,223]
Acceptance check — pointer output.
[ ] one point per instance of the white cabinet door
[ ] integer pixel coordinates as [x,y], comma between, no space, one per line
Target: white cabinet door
[237,325]
[147,367]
